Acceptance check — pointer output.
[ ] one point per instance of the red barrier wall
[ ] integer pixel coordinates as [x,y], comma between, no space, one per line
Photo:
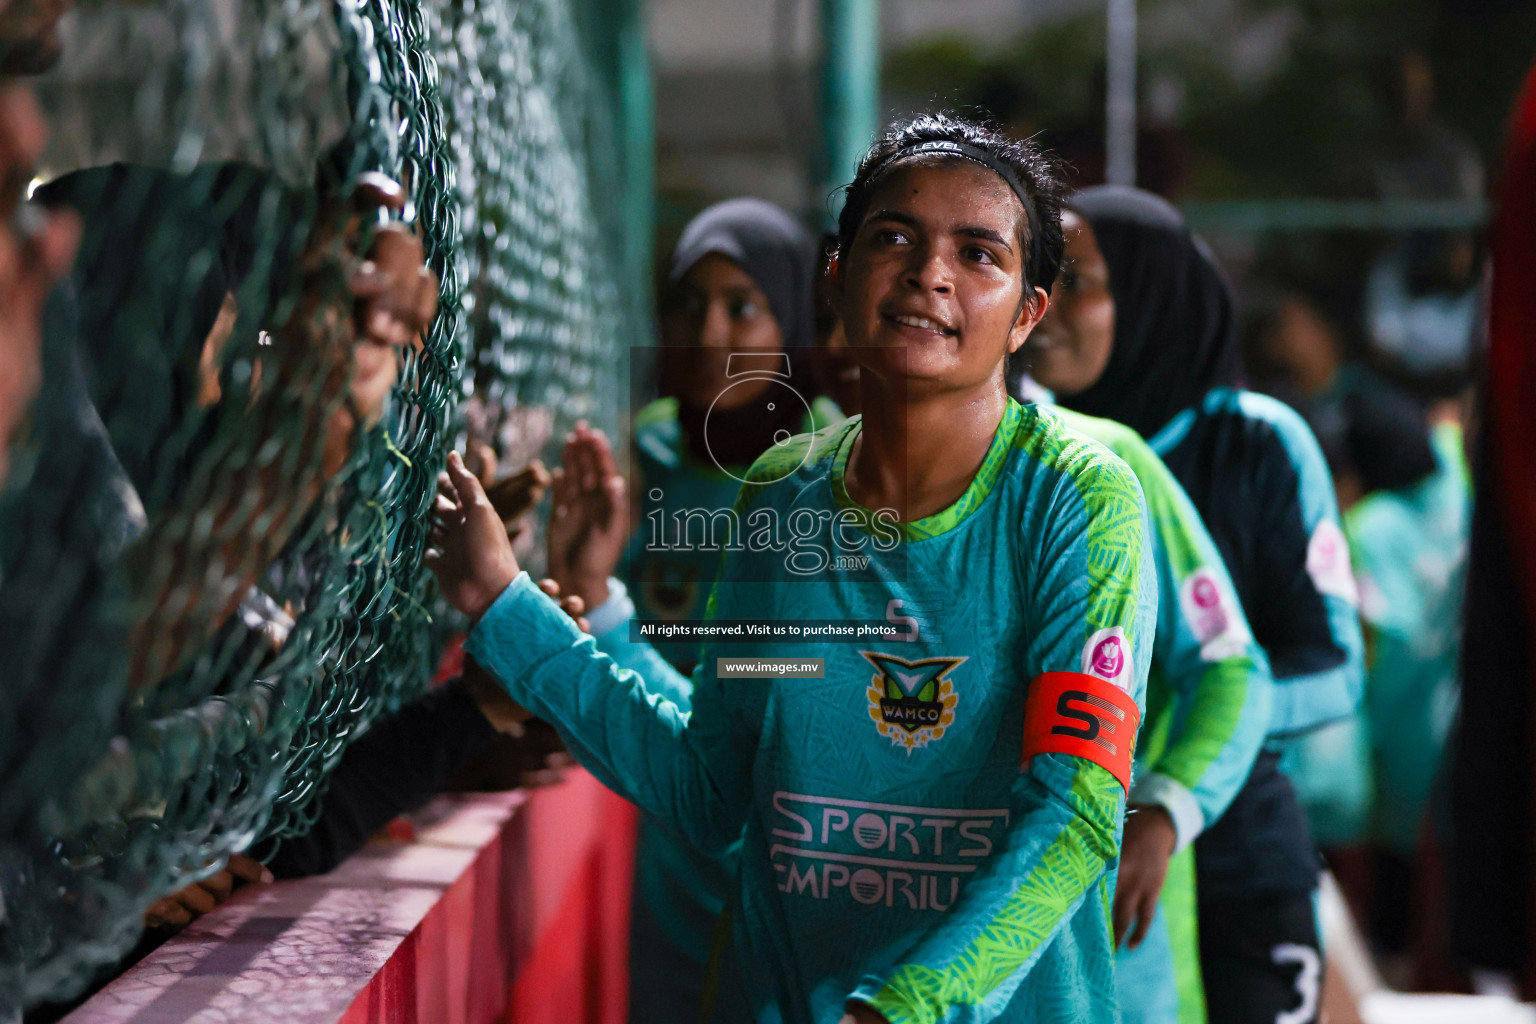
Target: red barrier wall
[507,907]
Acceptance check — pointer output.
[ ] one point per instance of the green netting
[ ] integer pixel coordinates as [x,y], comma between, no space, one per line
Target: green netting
[207,587]
[534,147]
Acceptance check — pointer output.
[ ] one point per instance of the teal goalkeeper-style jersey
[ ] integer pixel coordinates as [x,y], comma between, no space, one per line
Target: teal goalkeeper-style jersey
[1208,707]
[893,850]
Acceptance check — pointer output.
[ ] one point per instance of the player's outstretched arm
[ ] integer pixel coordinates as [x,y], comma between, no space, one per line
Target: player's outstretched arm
[1089,646]
[692,775]
[611,628]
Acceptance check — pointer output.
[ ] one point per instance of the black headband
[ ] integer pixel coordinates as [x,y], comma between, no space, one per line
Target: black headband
[977,155]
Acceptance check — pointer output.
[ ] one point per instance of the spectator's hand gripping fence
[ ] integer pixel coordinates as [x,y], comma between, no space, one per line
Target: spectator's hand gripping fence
[210,539]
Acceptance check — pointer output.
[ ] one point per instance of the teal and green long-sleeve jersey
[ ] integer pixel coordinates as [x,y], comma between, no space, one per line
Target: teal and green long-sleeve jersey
[1209,690]
[893,851]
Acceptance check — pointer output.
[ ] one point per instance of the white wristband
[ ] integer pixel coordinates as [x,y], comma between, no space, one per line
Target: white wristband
[1174,797]
[614,612]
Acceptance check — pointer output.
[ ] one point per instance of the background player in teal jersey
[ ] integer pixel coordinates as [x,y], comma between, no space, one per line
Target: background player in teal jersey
[1208,706]
[1409,546]
[736,379]
[1406,500]
[739,284]
[1144,333]
[929,826]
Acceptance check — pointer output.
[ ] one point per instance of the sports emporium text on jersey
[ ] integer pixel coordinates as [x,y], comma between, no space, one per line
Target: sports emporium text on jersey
[879,854]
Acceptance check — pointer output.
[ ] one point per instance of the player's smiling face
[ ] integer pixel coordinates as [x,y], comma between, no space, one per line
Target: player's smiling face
[931,284]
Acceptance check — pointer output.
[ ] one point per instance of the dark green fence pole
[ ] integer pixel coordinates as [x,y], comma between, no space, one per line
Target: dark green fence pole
[616,43]
[850,92]
[637,109]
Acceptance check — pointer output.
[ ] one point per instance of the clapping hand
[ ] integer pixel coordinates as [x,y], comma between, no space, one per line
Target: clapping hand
[469,551]
[589,523]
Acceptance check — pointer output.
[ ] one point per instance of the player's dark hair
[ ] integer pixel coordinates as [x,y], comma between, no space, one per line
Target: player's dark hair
[1028,169]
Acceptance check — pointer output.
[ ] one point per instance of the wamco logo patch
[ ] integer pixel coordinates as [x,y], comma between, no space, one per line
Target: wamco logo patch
[912,702]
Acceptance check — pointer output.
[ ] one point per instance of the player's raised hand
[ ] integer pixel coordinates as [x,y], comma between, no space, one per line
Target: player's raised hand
[589,524]
[469,553]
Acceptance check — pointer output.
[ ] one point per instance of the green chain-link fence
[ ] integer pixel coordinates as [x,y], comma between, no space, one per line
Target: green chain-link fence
[543,245]
[210,572]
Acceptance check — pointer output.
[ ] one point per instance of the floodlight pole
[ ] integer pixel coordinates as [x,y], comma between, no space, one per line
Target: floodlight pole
[1120,95]
[850,92]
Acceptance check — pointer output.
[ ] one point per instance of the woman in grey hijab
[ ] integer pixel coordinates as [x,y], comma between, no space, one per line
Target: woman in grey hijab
[736,380]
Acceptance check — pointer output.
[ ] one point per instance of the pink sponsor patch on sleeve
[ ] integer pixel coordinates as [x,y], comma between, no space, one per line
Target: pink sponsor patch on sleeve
[1107,654]
[1211,612]
[1328,562]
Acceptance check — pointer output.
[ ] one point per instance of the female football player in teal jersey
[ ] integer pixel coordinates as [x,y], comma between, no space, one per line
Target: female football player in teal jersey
[929,815]
[1143,333]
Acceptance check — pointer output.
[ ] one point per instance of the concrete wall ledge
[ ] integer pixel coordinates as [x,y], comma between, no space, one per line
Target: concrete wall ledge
[506,906]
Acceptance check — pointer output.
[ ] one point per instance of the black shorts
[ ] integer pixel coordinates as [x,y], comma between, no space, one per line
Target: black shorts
[1261,959]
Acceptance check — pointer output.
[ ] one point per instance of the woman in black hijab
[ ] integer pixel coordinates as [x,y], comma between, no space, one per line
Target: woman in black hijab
[1141,330]
[1174,323]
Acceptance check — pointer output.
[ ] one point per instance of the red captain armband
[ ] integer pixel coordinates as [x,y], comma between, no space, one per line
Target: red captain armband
[1082,715]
